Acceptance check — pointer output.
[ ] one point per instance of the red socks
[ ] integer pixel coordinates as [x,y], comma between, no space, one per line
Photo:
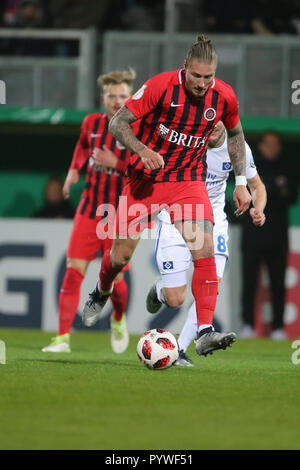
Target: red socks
[69,299]
[70,295]
[107,272]
[119,295]
[119,298]
[205,289]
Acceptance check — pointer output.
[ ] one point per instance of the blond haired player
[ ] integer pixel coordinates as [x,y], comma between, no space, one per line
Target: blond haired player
[105,178]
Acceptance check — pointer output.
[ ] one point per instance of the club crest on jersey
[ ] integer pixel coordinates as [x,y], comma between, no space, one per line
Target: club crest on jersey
[227,166]
[210,114]
[139,93]
[168,265]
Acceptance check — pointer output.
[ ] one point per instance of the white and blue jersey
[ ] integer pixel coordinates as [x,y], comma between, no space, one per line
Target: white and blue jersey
[172,255]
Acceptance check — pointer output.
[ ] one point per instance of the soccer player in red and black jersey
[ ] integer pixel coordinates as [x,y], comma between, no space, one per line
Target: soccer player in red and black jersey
[177,112]
[105,178]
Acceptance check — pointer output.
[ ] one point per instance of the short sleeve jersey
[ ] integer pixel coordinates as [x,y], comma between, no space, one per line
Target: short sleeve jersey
[103,185]
[219,167]
[178,127]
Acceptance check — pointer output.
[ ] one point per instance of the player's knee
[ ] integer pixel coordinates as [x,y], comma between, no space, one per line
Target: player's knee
[208,248]
[175,297]
[174,302]
[78,264]
[119,260]
[209,252]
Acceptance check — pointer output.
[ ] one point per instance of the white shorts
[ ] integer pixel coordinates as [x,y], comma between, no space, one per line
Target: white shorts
[173,256]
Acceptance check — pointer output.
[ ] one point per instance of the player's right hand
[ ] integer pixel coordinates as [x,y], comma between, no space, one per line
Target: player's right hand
[72,178]
[242,199]
[151,160]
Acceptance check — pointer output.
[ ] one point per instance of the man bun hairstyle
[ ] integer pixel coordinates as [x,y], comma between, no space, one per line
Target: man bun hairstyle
[202,50]
[116,78]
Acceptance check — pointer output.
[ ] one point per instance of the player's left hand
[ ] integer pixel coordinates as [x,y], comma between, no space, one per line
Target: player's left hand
[104,157]
[257,216]
[242,199]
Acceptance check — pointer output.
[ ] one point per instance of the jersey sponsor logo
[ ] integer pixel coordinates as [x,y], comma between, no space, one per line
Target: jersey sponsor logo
[210,114]
[179,138]
[173,105]
[168,265]
[163,130]
[139,93]
[227,166]
[93,135]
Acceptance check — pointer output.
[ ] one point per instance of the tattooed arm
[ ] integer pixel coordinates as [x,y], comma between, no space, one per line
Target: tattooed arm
[237,154]
[237,149]
[119,126]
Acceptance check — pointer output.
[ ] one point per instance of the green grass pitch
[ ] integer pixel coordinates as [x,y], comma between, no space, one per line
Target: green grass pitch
[247,397]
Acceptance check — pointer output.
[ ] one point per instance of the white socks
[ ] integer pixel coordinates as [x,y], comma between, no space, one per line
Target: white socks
[190,329]
[159,291]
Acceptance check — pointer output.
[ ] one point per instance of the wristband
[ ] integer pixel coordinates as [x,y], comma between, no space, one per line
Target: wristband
[240,181]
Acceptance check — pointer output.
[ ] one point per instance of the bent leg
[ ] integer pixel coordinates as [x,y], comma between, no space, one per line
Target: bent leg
[173,260]
[114,261]
[171,289]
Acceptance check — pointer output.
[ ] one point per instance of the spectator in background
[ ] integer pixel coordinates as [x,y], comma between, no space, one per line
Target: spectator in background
[268,244]
[78,13]
[263,17]
[25,14]
[55,206]
[231,16]
[276,17]
[30,14]
[143,15]
[9,10]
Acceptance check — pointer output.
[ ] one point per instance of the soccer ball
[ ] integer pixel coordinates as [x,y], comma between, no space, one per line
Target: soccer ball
[157,349]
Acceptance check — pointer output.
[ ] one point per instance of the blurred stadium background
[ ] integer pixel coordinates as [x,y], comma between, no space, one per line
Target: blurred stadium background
[51,52]
[49,70]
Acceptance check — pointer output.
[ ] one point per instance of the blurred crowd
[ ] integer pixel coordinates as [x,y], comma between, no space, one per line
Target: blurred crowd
[263,17]
[78,14]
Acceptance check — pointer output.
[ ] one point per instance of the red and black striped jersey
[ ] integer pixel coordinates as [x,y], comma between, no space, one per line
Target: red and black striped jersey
[103,185]
[178,127]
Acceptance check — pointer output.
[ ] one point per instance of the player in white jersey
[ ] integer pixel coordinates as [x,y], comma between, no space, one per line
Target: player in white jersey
[172,255]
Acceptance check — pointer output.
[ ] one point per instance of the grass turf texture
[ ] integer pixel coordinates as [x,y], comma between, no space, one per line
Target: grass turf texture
[247,397]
